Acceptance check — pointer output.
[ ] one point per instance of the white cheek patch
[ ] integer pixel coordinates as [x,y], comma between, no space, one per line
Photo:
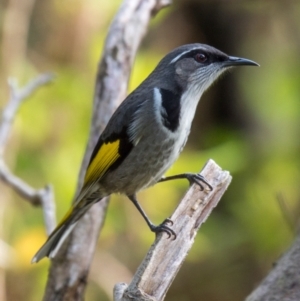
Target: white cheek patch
[136,128]
[157,101]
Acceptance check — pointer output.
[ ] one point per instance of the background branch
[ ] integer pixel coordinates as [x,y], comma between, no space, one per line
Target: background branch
[282,283]
[17,97]
[44,196]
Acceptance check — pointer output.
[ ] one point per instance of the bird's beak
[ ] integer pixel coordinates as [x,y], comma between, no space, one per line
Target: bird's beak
[238,61]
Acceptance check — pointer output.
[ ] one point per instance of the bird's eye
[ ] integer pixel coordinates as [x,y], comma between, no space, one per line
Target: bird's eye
[200,57]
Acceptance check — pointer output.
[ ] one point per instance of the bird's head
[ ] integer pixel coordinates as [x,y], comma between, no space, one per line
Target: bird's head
[197,65]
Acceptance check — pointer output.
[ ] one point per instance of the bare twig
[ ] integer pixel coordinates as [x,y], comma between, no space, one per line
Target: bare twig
[17,97]
[44,196]
[165,257]
[69,270]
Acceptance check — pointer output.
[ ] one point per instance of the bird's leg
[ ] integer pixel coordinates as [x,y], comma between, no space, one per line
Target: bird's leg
[156,229]
[191,177]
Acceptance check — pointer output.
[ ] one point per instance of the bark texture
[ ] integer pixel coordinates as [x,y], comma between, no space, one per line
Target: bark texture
[283,282]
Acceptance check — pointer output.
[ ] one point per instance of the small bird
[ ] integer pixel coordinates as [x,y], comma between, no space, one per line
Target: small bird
[146,134]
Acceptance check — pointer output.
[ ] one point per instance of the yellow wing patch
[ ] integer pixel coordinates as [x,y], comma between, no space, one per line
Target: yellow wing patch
[106,156]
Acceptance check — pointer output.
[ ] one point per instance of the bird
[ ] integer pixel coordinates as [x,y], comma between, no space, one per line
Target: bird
[146,134]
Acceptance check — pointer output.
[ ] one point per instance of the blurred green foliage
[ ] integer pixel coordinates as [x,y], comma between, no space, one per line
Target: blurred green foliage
[255,221]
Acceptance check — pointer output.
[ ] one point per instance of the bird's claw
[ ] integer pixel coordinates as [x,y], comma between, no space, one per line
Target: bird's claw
[163,228]
[168,221]
[197,179]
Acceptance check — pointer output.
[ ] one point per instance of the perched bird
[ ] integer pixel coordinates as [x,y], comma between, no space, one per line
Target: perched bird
[146,134]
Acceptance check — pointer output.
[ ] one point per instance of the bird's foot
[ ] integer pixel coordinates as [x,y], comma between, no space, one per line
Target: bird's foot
[163,228]
[198,179]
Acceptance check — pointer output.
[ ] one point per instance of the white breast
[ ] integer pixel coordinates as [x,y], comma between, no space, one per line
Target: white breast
[189,102]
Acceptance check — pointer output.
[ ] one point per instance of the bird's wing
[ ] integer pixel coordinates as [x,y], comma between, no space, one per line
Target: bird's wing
[107,155]
[104,156]
[113,146]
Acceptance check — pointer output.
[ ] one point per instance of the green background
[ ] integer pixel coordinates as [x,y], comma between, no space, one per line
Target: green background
[248,123]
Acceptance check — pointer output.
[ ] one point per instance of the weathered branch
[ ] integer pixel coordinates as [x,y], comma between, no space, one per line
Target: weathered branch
[165,257]
[69,270]
[44,196]
[17,97]
[283,282]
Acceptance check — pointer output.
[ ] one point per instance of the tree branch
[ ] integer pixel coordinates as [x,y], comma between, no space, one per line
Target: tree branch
[44,196]
[17,97]
[69,270]
[165,257]
[282,283]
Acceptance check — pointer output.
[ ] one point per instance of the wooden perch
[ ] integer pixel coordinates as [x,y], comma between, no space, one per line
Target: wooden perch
[43,197]
[165,257]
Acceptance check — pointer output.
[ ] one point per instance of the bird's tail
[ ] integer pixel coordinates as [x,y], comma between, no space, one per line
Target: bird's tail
[60,233]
